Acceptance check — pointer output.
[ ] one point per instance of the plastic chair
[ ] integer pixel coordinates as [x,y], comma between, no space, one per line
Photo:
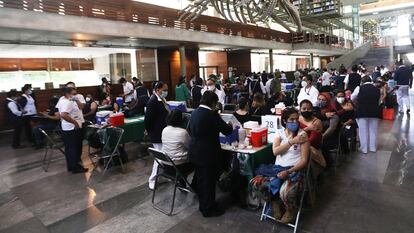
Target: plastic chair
[163,162]
[266,212]
[51,144]
[110,138]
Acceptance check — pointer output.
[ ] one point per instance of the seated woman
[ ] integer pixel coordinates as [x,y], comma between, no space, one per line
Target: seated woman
[175,142]
[330,121]
[48,124]
[313,127]
[242,114]
[259,107]
[291,148]
[89,111]
[346,114]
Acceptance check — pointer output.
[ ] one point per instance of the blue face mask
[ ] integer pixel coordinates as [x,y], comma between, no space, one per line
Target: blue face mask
[164,94]
[292,126]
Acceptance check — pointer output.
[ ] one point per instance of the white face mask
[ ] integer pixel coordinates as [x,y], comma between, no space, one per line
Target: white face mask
[340,100]
[87,99]
[211,87]
[304,83]
[30,92]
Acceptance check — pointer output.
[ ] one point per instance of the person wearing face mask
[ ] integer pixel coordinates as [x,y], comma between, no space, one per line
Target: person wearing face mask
[71,123]
[28,103]
[205,152]
[308,91]
[104,90]
[78,98]
[90,108]
[14,114]
[346,114]
[155,116]
[128,89]
[211,86]
[291,148]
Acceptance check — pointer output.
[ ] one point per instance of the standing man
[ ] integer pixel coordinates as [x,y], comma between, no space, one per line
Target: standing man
[14,116]
[308,91]
[71,121]
[404,78]
[155,122]
[128,90]
[326,78]
[211,86]
[205,152]
[78,98]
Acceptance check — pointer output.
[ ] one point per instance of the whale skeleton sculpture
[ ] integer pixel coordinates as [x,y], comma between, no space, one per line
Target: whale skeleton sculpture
[247,11]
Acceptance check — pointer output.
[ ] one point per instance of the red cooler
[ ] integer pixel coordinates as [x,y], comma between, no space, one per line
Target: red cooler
[259,137]
[117,119]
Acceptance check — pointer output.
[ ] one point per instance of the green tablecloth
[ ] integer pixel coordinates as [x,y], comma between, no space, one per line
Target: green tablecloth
[133,129]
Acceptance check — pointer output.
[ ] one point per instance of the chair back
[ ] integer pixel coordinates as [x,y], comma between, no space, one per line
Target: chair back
[50,141]
[161,158]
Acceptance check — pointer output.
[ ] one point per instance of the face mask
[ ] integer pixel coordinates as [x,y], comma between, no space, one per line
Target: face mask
[211,88]
[304,83]
[322,104]
[87,99]
[292,126]
[30,92]
[340,100]
[164,94]
[307,114]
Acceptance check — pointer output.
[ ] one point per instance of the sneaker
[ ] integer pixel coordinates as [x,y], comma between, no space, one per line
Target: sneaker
[151,185]
[277,212]
[216,212]
[289,216]
[362,152]
[79,170]
[408,111]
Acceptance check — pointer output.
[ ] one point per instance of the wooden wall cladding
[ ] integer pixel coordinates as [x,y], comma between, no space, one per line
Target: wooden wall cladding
[218,59]
[169,66]
[38,64]
[240,61]
[43,97]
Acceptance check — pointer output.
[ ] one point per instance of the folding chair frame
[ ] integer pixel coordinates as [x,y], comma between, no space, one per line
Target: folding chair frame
[307,187]
[115,152]
[163,160]
[51,145]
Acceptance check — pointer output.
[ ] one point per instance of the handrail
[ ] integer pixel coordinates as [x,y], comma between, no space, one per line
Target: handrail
[138,12]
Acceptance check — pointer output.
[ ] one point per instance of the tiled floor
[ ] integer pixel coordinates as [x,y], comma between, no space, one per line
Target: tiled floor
[370,193]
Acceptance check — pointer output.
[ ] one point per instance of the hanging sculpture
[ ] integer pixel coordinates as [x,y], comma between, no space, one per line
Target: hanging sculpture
[247,11]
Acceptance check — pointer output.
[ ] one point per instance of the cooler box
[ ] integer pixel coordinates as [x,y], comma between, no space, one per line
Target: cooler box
[233,137]
[259,137]
[117,119]
[177,105]
[102,117]
[119,101]
[289,86]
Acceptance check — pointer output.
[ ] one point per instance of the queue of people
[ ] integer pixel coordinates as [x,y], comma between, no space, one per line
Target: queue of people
[329,106]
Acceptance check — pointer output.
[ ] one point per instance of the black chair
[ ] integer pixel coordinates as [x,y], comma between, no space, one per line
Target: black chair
[175,176]
[53,142]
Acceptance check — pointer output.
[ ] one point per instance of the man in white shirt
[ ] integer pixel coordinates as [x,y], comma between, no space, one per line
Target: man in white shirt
[326,78]
[211,86]
[78,98]
[71,122]
[128,90]
[308,91]
[267,86]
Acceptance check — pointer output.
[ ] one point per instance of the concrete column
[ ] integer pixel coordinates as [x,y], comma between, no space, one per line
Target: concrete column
[183,69]
[271,61]
[311,60]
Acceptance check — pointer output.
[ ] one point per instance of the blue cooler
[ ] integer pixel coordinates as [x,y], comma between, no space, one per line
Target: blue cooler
[177,105]
[289,86]
[234,136]
[102,117]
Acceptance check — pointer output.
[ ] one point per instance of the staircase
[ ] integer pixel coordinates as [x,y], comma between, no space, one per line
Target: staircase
[376,57]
